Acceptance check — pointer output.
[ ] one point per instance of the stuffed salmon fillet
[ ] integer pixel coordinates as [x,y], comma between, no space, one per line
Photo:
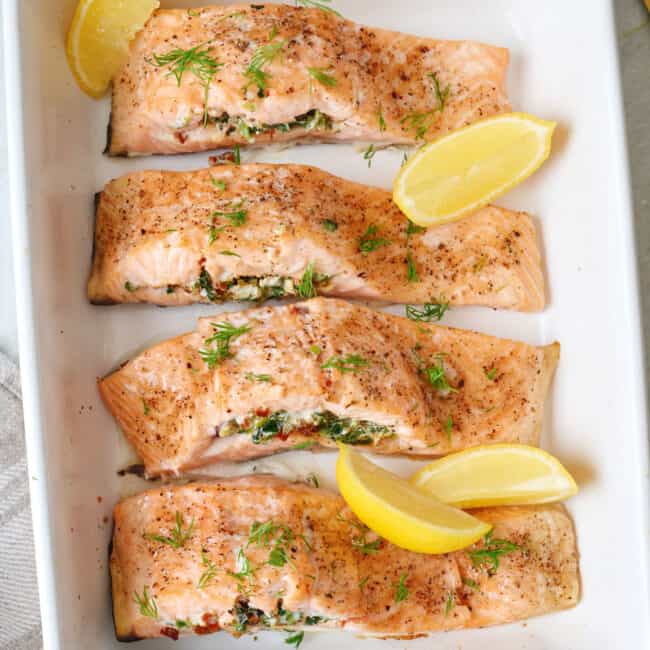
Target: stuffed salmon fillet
[258,552]
[252,383]
[260,231]
[255,74]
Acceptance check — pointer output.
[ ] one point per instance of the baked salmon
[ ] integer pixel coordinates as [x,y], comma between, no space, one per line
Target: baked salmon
[255,74]
[252,383]
[260,231]
[258,552]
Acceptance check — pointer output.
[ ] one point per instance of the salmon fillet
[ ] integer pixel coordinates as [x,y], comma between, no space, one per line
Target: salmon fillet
[323,371]
[253,231]
[312,573]
[276,73]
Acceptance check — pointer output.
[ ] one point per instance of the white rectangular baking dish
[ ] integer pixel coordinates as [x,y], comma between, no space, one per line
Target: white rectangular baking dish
[564,67]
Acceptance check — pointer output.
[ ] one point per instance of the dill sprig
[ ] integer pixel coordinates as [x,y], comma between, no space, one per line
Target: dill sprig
[431,311]
[368,242]
[146,603]
[320,75]
[294,638]
[195,60]
[349,363]
[318,4]
[263,56]
[411,269]
[435,375]
[223,334]
[369,154]
[488,556]
[178,536]
[401,592]
[382,121]
[450,603]
[360,542]
[210,571]
[245,570]
[251,376]
[277,537]
[422,122]
[306,288]
[236,215]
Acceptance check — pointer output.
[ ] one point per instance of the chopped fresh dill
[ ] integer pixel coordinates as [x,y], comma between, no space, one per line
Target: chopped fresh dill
[411,269]
[129,287]
[305,444]
[488,556]
[236,154]
[413,229]
[236,215]
[263,56]
[195,60]
[223,334]
[349,363]
[145,406]
[368,242]
[422,122]
[306,288]
[479,264]
[219,184]
[312,479]
[491,374]
[365,547]
[320,75]
[401,592]
[382,121]
[146,603]
[210,571]
[450,603]
[315,350]
[369,154]
[294,638]
[329,225]
[178,536]
[214,231]
[431,311]
[229,253]
[472,584]
[435,375]
[323,5]
[251,376]
[362,582]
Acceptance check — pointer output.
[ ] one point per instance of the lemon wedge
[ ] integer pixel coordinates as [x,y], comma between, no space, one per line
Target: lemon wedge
[401,512]
[492,475]
[98,40]
[465,170]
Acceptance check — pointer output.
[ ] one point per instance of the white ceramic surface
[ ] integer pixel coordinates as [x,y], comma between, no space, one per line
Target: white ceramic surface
[564,67]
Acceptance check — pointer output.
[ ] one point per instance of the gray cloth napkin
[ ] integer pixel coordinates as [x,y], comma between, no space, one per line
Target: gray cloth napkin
[20,627]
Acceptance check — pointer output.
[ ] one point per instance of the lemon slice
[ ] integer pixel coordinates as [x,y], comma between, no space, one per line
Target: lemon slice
[401,512]
[493,475]
[465,170]
[98,40]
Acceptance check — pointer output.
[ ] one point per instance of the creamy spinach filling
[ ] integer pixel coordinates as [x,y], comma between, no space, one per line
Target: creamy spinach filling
[281,424]
[251,288]
[246,616]
[312,120]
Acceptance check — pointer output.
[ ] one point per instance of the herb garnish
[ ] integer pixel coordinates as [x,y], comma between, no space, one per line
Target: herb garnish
[320,75]
[488,556]
[236,215]
[479,264]
[491,374]
[145,407]
[368,242]
[411,269]
[223,334]
[413,229]
[472,584]
[422,122]
[329,225]
[306,288]
[362,583]
[450,603]
[360,543]
[146,603]
[349,363]
[315,350]
[236,155]
[195,60]
[401,592]
[318,4]
[219,184]
[382,121]
[277,536]
[261,378]
[129,287]
[435,375]
[369,154]
[431,311]
[210,571]
[178,536]
[294,638]
[229,253]
[264,55]
[305,444]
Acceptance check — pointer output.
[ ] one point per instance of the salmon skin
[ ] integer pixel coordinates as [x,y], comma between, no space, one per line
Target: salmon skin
[256,74]
[266,380]
[259,231]
[311,571]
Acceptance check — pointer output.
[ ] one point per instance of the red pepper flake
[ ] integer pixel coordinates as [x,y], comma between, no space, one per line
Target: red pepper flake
[171,632]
